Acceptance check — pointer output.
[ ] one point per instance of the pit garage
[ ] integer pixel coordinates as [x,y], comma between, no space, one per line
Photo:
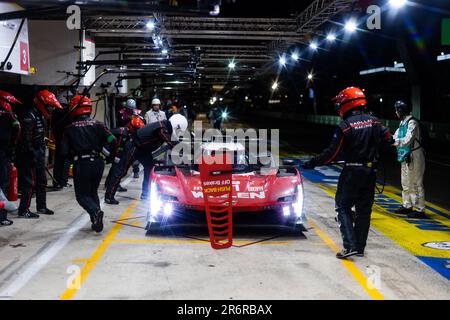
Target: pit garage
[254,83]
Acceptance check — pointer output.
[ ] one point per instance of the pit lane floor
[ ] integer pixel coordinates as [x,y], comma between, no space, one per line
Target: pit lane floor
[59,257]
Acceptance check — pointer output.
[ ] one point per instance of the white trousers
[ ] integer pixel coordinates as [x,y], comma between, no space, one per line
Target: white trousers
[412,181]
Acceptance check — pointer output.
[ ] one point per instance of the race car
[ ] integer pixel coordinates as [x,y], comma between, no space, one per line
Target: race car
[261,193]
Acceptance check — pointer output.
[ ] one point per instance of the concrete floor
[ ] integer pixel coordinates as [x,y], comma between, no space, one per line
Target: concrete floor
[39,259]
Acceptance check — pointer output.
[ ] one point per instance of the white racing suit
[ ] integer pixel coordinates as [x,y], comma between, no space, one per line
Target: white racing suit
[412,171]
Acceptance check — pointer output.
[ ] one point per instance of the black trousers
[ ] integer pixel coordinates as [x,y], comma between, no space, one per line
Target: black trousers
[356,188]
[119,170]
[5,165]
[32,178]
[87,174]
[130,155]
[60,169]
[147,162]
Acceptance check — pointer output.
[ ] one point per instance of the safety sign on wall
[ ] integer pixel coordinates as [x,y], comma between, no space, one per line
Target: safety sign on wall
[18,61]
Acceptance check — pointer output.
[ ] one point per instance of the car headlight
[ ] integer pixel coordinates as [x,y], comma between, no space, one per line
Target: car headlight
[298,205]
[155,201]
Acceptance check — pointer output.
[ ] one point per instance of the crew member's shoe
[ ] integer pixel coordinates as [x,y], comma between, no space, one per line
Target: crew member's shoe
[4,221]
[360,253]
[111,201]
[345,253]
[136,175]
[97,226]
[28,215]
[144,196]
[403,210]
[121,189]
[417,215]
[46,211]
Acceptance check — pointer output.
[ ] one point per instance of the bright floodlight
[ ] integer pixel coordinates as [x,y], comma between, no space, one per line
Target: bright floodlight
[283,61]
[275,86]
[295,56]
[331,37]
[313,45]
[224,115]
[231,65]
[310,76]
[397,4]
[150,25]
[350,26]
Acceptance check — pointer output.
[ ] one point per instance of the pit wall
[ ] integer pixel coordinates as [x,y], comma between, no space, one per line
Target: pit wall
[438,131]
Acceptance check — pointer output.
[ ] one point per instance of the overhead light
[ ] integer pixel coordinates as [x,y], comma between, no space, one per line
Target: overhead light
[224,115]
[397,4]
[150,25]
[350,26]
[275,86]
[310,76]
[331,37]
[164,51]
[232,65]
[216,11]
[295,56]
[282,60]
[313,46]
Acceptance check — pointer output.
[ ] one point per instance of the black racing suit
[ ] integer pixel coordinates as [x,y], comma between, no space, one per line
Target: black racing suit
[9,134]
[123,138]
[31,161]
[59,121]
[145,141]
[358,137]
[83,141]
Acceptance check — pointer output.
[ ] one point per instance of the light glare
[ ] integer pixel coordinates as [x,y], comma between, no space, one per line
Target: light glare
[397,4]
[350,26]
[331,37]
[150,25]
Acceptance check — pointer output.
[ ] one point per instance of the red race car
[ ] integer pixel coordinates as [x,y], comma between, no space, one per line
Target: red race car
[262,193]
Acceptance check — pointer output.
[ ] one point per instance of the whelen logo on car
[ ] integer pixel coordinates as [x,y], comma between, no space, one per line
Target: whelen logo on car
[444,245]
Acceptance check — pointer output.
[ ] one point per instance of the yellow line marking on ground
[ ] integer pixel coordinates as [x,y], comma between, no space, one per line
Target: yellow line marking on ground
[405,234]
[80,260]
[174,241]
[351,267]
[97,255]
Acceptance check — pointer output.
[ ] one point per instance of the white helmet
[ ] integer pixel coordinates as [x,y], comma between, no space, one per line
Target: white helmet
[156,101]
[131,104]
[179,125]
